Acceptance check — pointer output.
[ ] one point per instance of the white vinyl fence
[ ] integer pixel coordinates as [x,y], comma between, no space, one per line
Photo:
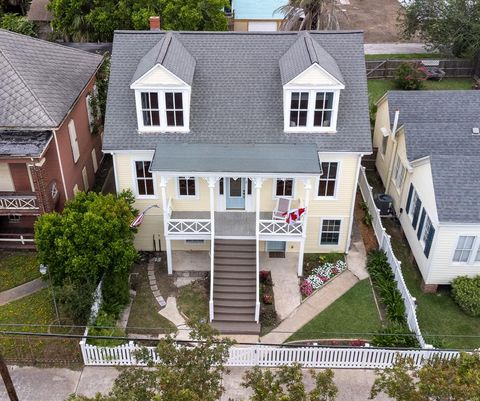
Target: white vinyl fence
[272,356]
[385,244]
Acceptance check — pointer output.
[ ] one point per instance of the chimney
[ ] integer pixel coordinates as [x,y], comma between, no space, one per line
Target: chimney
[154,23]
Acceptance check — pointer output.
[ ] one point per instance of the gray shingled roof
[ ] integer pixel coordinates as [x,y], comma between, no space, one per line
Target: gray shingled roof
[23,143]
[272,158]
[40,80]
[237,90]
[302,54]
[439,124]
[170,53]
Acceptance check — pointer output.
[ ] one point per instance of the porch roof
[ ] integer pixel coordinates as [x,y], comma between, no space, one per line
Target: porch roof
[23,143]
[236,158]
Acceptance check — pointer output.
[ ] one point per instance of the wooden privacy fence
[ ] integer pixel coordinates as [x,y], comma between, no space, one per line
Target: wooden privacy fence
[272,356]
[385,244]
[454,68]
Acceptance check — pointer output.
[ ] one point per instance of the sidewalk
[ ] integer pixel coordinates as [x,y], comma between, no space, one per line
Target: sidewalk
[394,48]
[22,291]
[55,384]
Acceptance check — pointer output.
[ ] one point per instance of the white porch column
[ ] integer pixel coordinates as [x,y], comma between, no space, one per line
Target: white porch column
[307,185]
[166,217]
[211,188]
[258,186]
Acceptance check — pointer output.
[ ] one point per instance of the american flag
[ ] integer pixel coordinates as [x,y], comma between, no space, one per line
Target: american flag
[138,220]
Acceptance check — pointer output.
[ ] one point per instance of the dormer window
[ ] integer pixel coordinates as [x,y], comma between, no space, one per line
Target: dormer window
[150,109]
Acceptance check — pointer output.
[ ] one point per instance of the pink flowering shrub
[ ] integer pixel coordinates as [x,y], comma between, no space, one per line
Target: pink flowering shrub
[321,275]
[306,288]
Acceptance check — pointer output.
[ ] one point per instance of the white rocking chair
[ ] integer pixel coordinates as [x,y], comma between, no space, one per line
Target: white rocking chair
[283,206]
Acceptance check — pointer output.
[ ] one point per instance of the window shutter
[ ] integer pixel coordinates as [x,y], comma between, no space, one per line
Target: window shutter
[416,213]
[420,225]
[428,244]
[409,199]
[73,140]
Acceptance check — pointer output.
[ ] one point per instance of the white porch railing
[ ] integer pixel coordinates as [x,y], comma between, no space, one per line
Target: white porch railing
[272,356]
[189,226]
[385,244]
[275,227]
[16,202]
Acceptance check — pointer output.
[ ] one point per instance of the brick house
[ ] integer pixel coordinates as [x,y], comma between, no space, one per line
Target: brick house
[48,150]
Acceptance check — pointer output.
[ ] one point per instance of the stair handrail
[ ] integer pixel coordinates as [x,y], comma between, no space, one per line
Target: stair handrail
[212,263]
[257,271]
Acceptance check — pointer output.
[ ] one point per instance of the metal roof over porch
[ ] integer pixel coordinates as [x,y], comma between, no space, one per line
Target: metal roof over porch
[237,158]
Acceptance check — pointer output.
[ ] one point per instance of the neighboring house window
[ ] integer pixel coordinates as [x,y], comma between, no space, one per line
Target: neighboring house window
[174,109]
[150,109]
[414,205]
[75,189]
[88,100]
[398,172]
[94,160]
[144,178]
[328,179]
[298,109]
[284,187]
[54,190]
[330,233]
[426,230]
[14,218]
[187,186]
[384,145]
[85,178]
[323,109]
[72,133]
[464,248]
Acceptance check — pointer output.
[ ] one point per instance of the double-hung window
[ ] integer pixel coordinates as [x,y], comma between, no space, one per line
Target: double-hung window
[398,172]
[330,232]
[144,178]
[323,109]
[174,108]
[464,248]
[284,187]
[150,109]
[328,180]
[187,186]
[299,109]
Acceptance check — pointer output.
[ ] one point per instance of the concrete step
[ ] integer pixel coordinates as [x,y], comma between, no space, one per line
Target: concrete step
[235,310]
[238,281]
[234,268]
[234,289]
[234,303]
[229,296]
[236,327]
[235,255]
[235,274]
[234,317]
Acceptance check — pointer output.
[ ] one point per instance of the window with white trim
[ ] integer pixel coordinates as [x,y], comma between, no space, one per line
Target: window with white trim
[464,248]
[150,109]
[384,145]
[398,172]
[144,178]
[427,226]
[91,118]
[413,205]
[72,133]
[284,187]
[311,110]
[328,180]
[187,186]
[330,232]
[174,108]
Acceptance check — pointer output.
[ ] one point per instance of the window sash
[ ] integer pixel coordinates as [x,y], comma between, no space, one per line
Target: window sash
[330,232]
[427,226]
[187,186]
[399,172]
[144,178]
[150,109]
[413,205]
[464,248]
[328,180]
[284,187]
[322,112]
[299,109]
[384,145]
[312,109]
[174,109]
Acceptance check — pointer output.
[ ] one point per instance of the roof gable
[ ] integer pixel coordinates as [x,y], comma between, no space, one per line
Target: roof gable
[158,75]
[315,76]
[304,53]
[170,53]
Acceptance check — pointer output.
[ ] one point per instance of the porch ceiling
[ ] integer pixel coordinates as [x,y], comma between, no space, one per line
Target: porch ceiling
[228,158]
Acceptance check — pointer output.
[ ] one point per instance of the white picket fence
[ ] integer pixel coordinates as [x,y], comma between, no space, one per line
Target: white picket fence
[385,244]
[271,356]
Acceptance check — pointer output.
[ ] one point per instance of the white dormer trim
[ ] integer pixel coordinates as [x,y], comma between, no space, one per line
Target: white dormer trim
[172,84]
[335,83]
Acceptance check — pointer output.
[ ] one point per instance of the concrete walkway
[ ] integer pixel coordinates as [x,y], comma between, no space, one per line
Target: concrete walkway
[55,384]
[22,291]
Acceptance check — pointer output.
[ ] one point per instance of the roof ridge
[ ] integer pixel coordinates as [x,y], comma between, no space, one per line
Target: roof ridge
[52,43]
[28,88]
[266,33]
[164,48]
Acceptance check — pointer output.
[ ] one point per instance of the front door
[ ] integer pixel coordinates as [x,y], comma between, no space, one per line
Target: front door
[235,190]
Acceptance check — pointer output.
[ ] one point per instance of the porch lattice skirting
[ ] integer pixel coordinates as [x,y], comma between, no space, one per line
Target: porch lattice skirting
[385,244]
[271,356]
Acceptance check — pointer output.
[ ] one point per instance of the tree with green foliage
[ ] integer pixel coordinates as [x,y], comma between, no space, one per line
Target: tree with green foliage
[18,23]
[87,20]
[451,26]
[437,380]
[187,371]
[287,384]
[98,102]
[91,238]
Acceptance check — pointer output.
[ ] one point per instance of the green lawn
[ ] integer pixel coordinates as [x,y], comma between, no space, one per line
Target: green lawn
[192,301]
[17,268]
[438,315]
[405,56]
[353,315]
[378,87]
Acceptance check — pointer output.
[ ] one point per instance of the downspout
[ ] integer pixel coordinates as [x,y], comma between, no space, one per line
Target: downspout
[352,206]
[60,164]
[394,152]
[115,173]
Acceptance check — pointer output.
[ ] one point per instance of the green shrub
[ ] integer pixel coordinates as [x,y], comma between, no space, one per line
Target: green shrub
[466,293]
[75,300]
[115,292]
[395,335]
[18,23]
[409,76]
[105,325]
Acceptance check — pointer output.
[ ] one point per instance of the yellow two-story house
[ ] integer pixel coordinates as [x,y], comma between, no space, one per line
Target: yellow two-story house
[230,134]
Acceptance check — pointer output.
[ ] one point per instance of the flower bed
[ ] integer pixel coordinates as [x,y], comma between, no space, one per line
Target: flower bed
[268,315]
[320,276]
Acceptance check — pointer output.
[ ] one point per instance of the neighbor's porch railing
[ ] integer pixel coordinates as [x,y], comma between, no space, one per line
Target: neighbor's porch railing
[12,201]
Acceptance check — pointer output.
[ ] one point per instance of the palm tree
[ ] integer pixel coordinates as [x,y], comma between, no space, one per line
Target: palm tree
[315,15]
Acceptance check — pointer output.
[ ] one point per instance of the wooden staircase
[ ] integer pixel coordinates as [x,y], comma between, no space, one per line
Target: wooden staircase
[234,287]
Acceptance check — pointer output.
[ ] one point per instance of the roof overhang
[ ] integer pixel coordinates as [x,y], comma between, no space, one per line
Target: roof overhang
[254,159]
[23,143]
